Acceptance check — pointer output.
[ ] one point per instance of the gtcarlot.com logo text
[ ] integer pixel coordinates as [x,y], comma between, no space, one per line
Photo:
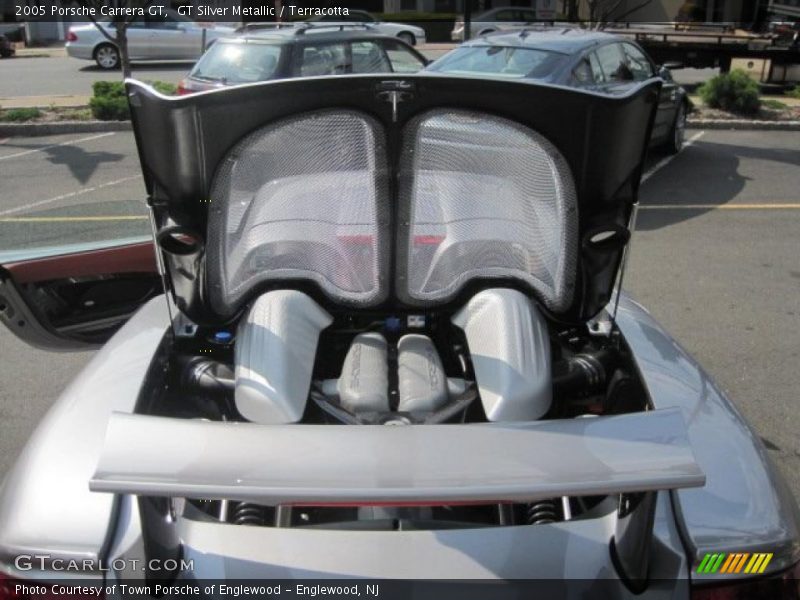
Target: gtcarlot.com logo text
[28,562]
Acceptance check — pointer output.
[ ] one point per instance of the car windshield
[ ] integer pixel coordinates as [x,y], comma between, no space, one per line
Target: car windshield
[502,61]
[238,63]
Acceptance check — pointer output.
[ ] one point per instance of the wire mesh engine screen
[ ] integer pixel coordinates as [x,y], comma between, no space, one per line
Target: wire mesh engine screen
[305,198]
[487,198]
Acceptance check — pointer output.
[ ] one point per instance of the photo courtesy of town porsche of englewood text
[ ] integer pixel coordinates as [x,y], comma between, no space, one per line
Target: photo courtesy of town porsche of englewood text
[399,299]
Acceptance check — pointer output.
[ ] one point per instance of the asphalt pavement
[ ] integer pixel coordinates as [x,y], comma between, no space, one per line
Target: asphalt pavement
[715,259]
[70,189]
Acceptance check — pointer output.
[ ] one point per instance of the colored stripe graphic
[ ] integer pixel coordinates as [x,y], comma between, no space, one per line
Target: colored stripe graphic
[711,563]
[740,562]
[727,564]
[735,562]
[701,568]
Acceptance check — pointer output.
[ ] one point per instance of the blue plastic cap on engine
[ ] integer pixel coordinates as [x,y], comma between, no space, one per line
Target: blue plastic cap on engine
[392,324]
[223,337]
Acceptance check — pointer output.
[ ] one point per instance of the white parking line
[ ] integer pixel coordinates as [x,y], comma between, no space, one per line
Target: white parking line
[665,161]
[87,219]
[68,143]
[766,206]
[38,203]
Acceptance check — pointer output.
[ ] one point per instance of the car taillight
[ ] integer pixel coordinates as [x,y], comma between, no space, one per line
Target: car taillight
[428,240]
[356,239]
[782,586]
[71,37]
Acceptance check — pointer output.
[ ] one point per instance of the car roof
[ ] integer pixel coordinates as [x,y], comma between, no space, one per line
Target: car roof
[317,33]
[564,40]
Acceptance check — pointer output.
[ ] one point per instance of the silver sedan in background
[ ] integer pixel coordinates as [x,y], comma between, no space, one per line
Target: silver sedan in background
[171,37]
[410,34]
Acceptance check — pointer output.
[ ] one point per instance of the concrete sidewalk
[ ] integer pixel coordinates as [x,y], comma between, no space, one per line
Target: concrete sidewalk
[789,101]
[53,51]
[60,101]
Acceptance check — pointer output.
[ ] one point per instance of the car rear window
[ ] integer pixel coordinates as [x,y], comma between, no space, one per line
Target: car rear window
[502,61]
[323,59]
[369,57]
[238,63]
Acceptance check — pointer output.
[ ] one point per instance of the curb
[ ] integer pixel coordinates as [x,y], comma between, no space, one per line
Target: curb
[45,102]
[31,55]
[58,128]
[743,125]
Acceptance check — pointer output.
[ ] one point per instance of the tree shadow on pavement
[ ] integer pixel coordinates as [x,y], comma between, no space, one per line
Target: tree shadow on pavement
[179,66]
[707,174]
[81,163]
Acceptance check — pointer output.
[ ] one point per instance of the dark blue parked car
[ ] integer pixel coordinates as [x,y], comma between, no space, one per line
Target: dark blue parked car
[577,58]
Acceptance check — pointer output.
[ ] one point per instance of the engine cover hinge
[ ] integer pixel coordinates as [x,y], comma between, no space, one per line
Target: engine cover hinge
[395,91]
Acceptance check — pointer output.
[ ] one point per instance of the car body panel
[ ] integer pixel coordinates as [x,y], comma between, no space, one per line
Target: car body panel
[202,128]
[578,550]
[158,456]
[122,258]
[61,455]
[575,550]
[74,297]
[764,518]
[745,504]
[20,255]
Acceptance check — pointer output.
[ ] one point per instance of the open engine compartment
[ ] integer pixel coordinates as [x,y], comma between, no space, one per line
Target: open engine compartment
[497,358]
[451,246]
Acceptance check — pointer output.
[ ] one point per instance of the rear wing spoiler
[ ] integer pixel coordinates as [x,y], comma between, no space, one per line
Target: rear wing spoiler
[326,464]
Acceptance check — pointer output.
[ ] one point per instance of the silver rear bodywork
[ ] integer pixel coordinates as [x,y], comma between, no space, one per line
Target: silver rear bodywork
[634,462]
[374,463]
[94,526]
[56,463]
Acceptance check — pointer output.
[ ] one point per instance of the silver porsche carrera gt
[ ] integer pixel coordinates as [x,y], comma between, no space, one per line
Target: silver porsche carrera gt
[380,334]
